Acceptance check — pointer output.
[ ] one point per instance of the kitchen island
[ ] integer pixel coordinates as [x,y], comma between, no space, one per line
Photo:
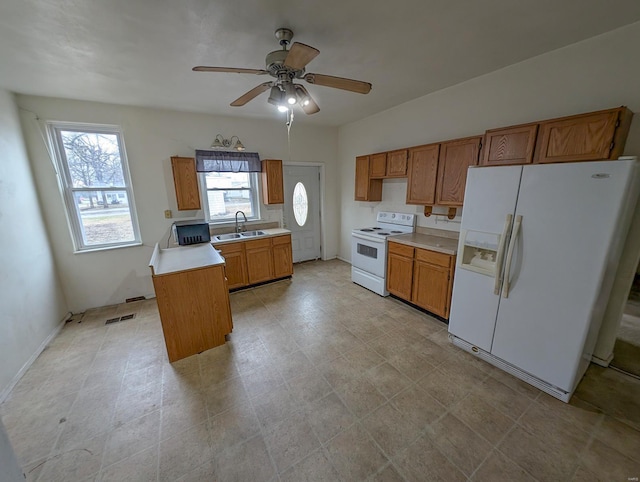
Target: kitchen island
[193,299]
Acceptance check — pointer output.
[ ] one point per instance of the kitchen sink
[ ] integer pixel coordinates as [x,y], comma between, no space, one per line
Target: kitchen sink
[226,237]
[249,234]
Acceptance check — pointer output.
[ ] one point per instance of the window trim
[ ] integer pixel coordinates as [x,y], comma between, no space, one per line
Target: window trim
[65,183]
[254,189]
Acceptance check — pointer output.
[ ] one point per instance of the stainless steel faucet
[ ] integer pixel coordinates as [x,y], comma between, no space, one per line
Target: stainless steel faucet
[240,228]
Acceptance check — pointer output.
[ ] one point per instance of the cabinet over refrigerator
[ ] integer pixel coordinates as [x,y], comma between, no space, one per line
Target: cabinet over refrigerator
[538,252]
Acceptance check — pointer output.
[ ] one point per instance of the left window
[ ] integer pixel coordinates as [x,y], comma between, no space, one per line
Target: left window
[96,186]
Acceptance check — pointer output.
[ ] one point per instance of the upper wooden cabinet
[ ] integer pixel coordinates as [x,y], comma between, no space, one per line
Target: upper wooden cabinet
[386,165]
[422,174]
[378,165]
[397,163]
[510,145]
[455,158]
[367,189]
[185,180]
[585,137]
[272,182]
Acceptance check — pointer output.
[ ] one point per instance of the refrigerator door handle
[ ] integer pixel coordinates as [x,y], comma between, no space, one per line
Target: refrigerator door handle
[512,244]
[500,255]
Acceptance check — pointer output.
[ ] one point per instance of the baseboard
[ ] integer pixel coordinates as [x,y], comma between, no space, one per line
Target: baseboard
[5,392]
[342,259]
[602,362]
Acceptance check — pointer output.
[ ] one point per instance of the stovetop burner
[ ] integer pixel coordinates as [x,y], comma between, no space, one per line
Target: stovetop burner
[382,233]
[396,232]
[367,230]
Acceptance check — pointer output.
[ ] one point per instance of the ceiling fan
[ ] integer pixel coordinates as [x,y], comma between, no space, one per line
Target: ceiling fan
[286,65]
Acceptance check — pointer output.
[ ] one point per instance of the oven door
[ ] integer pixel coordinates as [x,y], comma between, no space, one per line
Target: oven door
[369,254]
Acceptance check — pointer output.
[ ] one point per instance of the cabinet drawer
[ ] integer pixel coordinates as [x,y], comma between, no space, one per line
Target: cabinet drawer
[258,243]
[401,249]
[433,257]
[286,239]
[229,247]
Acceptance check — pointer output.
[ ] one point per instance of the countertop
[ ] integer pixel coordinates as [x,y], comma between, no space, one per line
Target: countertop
[428,241]
[183,258]
[267,234]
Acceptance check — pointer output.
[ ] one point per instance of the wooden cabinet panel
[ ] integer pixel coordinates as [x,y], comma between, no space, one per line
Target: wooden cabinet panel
[400,271]
[378,165]
[433,257]
[282,256]
[400,249]
[259,260]
[455,158]
[586,137]
[194,310]
[185,180]
[366,189]
[272,182]
[422,174]
[235,264]
[397,163]
[431,288]
[421,276]
[511,145]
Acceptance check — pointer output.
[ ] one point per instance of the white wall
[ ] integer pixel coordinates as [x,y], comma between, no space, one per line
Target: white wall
[33,305]
[151,137]
[599,73]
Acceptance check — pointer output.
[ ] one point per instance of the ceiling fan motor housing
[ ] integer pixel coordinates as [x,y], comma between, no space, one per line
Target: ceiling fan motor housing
[275,65]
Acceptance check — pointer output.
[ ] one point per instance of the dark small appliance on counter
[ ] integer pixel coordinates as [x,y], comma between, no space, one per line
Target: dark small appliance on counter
[191,232]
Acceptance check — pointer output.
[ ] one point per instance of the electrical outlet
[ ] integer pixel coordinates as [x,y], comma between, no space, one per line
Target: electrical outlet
[167,214]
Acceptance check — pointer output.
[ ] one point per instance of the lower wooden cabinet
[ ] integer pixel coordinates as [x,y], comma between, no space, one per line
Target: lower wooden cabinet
[282,256]
[194,310]
[257,260]
[421,276]
[235,264]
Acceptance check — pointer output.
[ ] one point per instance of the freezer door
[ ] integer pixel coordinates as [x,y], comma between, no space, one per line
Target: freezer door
[490,196]
[570,216]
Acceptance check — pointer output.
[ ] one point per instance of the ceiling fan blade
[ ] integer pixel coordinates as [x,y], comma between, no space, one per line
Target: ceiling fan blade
[256,91]
[300,55]
[311,107]
[339,83]
[233,70]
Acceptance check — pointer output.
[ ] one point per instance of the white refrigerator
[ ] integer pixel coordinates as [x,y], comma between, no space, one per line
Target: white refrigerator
[538,252]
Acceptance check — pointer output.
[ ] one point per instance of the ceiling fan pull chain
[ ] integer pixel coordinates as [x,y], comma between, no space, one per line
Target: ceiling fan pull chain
[289,122]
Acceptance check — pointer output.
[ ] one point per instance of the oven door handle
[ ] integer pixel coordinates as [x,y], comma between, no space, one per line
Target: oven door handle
[366,238]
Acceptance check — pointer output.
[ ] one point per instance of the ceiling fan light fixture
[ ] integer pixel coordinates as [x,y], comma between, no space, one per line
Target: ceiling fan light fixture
[282,108]
[290,93]
[276,96]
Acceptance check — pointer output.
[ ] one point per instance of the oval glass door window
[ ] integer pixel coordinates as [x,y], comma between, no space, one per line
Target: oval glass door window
[300,204]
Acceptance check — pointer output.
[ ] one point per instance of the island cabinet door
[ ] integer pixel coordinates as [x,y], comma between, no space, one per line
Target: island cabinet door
[259,260]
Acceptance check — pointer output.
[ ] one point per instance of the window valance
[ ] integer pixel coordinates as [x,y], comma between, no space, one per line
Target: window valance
[227,161]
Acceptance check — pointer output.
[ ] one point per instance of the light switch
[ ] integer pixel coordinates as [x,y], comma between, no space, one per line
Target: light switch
[167,214]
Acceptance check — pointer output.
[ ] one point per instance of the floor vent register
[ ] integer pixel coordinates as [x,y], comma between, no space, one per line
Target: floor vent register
[121,318]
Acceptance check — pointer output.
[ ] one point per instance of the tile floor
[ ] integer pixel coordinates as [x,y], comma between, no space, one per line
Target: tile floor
[321,380]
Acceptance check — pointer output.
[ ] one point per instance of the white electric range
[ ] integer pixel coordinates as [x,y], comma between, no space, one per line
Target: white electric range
[369,249]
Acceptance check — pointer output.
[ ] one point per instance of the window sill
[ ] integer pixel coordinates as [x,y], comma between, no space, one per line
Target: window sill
[107,248]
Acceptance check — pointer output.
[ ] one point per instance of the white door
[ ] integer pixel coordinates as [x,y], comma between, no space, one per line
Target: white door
[490,196]
[569,217]
[302,210]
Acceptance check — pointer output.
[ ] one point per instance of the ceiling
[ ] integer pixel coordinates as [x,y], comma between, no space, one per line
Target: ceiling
[141,52]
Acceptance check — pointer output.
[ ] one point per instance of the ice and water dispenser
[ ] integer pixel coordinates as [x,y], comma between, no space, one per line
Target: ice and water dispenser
[479,251]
